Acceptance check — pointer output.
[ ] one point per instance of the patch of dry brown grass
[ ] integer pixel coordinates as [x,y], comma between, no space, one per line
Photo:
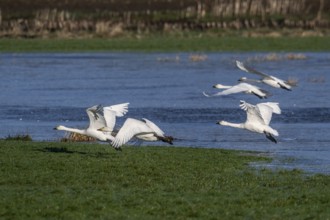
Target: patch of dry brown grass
[197,57]
[75,137]
[278,57]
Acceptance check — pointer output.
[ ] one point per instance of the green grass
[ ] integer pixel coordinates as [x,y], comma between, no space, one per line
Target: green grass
[93,181]
[168,44]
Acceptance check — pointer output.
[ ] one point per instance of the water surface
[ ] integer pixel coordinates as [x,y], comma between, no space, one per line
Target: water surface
[42,90]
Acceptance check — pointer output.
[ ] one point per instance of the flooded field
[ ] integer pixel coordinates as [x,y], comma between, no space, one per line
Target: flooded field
[42,90]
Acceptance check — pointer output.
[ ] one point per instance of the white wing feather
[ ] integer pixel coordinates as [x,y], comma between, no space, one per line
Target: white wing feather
[261,112]
[111,112]
[130,128]
[96,120]
[241,66]
[267,109]
[154,127]
[234,89]
[119,109]
[274,105]
[252,113]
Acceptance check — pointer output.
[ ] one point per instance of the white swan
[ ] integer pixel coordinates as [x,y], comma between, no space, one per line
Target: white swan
[143,130]
[97,121]
[267,79]
[258,118]
[241,87]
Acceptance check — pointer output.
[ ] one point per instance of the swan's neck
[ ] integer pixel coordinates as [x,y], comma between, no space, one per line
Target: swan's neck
[234,125]
[74,130]
[250,80]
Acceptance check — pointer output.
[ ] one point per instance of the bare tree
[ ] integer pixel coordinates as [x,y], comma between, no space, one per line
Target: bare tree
[263,9]
[248,8]
[320,11]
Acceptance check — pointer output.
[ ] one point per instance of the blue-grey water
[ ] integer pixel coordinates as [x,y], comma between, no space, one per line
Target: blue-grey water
[42,90]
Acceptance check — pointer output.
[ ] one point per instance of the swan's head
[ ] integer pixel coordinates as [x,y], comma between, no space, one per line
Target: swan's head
[242,79]
[60,127]
[222,122]
[219,86]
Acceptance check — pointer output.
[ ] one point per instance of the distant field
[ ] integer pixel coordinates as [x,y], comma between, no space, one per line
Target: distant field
[93,181]
[168,43]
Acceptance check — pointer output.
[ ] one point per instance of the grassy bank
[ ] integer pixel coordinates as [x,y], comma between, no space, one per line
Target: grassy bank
[168,44]
[88,181]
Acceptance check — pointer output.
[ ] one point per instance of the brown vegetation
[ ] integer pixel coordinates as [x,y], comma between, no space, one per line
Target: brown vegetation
[104,18]
[75,137]
[277,57]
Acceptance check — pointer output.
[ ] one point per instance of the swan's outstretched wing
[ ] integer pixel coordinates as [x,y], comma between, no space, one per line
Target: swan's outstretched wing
[282,83]
[130,128]
[234,89]
[267,109]
[119,109]
[113,111]
[274,105]
[252,113]
[96,119]
[154,127]
[241,66]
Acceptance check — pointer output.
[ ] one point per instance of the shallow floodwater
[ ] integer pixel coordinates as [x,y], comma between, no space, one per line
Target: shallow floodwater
[42,90]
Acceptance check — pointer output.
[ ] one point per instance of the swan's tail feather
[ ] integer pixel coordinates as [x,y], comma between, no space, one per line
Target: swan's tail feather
[271,131]
[259,96]
[285,87]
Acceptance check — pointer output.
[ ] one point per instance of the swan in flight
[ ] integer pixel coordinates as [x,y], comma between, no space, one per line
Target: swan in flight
[97,121]
[241,87]
[267,79]
[258,118]
[142,130]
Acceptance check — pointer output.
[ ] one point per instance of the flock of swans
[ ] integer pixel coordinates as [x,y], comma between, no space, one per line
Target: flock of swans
[258,116]
[102,120]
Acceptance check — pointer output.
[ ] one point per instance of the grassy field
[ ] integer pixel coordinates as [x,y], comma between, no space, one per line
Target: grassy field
[92,181]
[168,44]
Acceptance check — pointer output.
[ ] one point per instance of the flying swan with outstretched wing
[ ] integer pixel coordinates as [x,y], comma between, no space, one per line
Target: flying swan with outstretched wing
[97,121]
[258,118]
[143,129]
[241,87]
[265,78]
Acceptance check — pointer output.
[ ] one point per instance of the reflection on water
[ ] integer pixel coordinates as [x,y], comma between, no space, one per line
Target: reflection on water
[40,91]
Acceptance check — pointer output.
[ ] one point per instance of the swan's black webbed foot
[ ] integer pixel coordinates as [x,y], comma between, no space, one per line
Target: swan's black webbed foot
[270,137]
